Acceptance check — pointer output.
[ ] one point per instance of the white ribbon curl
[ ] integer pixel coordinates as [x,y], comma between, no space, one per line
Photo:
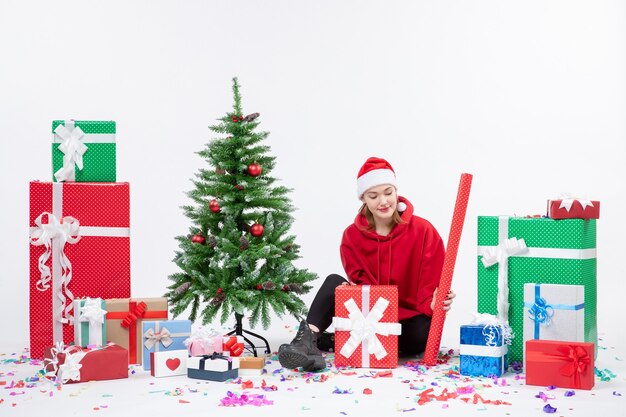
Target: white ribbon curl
[366,328]
[65,231]
[493,327]
[153,338]
[73,149]
[93,313]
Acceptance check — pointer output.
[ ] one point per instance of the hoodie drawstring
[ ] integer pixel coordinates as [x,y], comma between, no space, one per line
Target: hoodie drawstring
[389,274]
[378,261]
[380,278]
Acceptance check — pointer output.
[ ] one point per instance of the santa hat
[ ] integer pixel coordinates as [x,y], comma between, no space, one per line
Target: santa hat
[376,171]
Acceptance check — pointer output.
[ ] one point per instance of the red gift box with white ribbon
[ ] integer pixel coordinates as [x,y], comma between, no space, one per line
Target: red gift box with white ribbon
[366,326]
[560,363]
[79,247]
[72,363]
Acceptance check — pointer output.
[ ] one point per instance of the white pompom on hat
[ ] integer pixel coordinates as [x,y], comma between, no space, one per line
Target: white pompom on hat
[376,171]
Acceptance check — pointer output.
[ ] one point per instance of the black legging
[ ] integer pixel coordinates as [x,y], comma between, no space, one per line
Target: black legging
[414,329]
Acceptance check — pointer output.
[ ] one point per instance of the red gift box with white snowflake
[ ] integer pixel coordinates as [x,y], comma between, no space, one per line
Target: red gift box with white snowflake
[573,208]
[79,247]
[366,326]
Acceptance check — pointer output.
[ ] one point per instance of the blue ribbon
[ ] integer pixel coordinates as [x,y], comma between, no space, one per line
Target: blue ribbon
[541,312]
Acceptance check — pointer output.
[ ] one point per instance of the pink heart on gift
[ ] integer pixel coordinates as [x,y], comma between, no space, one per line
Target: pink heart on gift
[172,364]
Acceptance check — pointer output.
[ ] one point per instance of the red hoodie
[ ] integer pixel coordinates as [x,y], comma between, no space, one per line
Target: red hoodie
[411,257]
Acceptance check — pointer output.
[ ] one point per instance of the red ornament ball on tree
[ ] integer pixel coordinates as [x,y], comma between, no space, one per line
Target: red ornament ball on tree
[257,230]
[239,187]
[254,170]
[235,119]
[198,238]
[214,206]
[259,287]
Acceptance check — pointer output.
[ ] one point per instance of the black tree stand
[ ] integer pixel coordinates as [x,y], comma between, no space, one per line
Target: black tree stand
[239,331]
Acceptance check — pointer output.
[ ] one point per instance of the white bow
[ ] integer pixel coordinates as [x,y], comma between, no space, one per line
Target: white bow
[153,338]
[364,328]
[500,255]
[73,149]
[567,201]
[92,312]
[65,231]
[509,247]
[70,369]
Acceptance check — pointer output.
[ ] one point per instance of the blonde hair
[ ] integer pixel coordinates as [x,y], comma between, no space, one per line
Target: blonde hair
[371,225]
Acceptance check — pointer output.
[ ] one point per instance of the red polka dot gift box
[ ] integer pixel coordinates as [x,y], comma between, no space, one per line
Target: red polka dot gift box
[366,326]
[79,247]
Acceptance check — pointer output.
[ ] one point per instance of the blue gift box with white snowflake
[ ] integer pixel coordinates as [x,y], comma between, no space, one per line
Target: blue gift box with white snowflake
[483,351]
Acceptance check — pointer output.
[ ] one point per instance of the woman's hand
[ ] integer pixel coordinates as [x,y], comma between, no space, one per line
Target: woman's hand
[447,303]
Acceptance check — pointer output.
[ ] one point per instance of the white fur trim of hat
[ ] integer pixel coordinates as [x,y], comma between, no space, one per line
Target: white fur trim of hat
[375,171]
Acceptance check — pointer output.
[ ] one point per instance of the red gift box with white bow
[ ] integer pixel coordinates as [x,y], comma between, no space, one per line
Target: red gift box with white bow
[366,326]
[573,208]
[75,364]
[79,247]
[560,363]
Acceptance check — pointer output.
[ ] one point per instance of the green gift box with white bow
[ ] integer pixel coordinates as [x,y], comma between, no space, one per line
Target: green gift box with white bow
[90,328]
[513,251]
[83,151]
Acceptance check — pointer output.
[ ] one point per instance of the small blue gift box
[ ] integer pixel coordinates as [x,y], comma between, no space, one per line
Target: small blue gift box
[163,335]
[215,367]
[482,352]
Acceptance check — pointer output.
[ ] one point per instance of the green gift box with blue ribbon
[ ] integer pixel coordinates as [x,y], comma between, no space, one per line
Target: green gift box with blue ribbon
[514,251]
[83,151]
[554,312]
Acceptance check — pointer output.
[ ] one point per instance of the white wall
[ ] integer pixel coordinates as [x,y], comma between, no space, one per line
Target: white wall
[529,96]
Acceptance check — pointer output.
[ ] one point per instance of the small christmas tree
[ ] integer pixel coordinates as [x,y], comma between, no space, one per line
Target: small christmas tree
[238,256]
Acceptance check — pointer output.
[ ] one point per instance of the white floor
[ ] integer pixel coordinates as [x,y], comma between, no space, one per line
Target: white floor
[312,394]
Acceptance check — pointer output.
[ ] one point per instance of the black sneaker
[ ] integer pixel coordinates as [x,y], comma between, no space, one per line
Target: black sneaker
[302,351]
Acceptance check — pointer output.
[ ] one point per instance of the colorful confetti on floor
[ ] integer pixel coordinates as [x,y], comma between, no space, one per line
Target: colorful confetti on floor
[411,388]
